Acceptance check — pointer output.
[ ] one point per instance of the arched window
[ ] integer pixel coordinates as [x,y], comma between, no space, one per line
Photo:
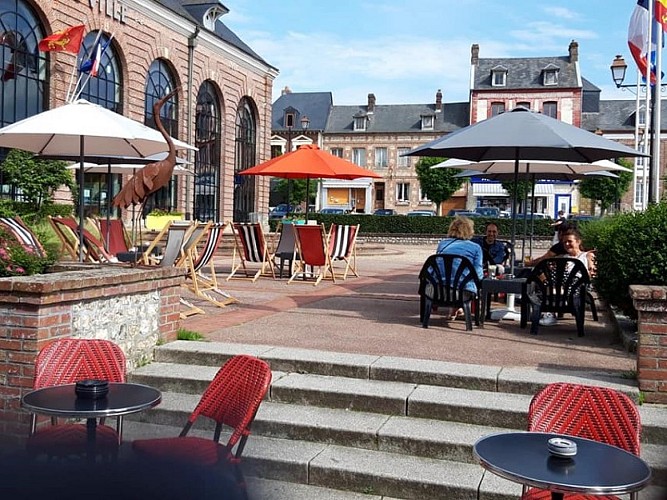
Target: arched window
[24,82]
[159,83]
[100,84]
[244,158]
[208,133]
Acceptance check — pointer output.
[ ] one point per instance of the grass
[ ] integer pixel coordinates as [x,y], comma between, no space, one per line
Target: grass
[184,334]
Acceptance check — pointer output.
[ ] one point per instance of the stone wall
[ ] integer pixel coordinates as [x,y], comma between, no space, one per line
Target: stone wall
[651,305]
[133,307]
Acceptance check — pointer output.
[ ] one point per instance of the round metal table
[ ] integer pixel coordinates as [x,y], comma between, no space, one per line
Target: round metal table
[597,468]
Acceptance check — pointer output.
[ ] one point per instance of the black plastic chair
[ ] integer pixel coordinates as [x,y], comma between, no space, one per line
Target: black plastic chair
[442,282]
[558,285]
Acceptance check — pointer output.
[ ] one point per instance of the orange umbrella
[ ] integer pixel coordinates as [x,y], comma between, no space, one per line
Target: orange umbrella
[310,162]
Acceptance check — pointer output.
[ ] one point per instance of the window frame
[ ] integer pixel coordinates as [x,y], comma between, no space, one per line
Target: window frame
[359,156]
[379,153]
[403,193]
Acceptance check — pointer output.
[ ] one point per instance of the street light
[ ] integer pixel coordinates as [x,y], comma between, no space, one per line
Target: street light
[618,69]
[289,124]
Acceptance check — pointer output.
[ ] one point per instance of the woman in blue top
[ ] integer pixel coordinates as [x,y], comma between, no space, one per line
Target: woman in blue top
[458,242]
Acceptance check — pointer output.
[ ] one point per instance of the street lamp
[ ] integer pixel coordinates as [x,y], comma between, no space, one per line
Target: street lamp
[618,69]
[289,124]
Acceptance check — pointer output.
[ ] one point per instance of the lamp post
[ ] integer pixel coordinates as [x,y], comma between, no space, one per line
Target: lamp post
[289,123]
[305,123]
[618,70]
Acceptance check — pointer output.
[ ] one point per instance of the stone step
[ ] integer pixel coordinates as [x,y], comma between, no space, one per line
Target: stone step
[499,409]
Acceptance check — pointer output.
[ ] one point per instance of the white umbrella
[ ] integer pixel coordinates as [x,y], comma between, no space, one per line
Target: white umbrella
[84,129]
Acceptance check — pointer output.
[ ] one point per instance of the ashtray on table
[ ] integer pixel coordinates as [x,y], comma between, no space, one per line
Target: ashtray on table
[91,389]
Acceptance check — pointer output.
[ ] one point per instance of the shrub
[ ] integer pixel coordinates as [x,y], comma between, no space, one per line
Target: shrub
[19,260]
[631,249]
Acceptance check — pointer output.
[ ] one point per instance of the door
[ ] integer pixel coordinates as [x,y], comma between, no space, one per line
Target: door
[564,203]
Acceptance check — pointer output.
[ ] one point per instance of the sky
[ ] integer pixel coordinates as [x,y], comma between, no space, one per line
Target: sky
[403,51]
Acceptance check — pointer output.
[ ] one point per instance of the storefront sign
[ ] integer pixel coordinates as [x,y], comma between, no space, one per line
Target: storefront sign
[115,9]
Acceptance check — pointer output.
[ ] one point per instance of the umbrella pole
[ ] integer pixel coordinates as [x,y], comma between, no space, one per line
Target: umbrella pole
[81,197]
[307,190]
[514,207]
[532,221]
[525,216]
[109,187]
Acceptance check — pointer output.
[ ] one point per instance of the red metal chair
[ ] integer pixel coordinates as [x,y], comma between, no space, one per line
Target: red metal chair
[67,361]
[590,412]
[232,399]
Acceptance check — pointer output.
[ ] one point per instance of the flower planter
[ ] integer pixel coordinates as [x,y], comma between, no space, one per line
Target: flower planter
[157,222]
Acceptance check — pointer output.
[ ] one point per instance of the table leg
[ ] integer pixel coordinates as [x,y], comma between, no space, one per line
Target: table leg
[91,433]
[557,496]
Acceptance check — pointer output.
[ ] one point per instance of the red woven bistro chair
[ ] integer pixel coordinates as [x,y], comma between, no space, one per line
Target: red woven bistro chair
[596,413]
[67,361]
[231,399]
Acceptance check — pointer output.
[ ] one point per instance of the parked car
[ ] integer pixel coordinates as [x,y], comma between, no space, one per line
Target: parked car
[421,213]
[385,211]
[281,210]
[583,218]
[333,211]
[488,211]
[463,213]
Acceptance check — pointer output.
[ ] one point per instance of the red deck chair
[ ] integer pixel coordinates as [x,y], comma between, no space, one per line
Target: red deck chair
[312,247]
[118,240]
[250,246]
[67,361]
[94,249]
[231,399]
[589,412]
[343,246]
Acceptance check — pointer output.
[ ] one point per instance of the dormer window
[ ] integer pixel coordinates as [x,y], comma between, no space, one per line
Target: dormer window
[550,75]
[360,122]
[499,76]
[212,15]
[641,117]
[428,122]
[290,119]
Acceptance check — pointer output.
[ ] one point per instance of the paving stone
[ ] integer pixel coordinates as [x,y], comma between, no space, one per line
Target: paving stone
[266,489]
[319,362]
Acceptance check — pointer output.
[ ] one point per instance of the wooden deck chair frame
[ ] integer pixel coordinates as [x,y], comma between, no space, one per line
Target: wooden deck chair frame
[196,259]
[177,233]
[94,250]
[312,247]
[343,246]
[119,239]
[23,234]
[190,241]
[250,246]
[69,243]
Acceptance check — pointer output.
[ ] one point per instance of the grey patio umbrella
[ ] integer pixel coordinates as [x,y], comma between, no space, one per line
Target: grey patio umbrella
[80,130]
[524,135]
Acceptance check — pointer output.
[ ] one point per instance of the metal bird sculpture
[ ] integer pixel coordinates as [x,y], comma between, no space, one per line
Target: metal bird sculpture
[153,176]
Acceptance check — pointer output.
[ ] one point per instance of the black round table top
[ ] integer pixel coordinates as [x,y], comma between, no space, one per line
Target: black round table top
[62,401]
[597,468]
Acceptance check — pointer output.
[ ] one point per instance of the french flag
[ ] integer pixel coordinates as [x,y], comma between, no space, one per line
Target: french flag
[638,38]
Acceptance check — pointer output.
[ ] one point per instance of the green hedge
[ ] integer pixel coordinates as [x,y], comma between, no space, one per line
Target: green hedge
[400,224]
[27,211]
[631,249]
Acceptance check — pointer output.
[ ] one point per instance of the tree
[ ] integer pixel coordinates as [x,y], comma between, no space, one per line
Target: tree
[37,179]
[606,191]
[437,184]
[523,188]
[297,192]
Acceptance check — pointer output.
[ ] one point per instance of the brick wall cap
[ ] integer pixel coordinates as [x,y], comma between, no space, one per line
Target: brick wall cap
[648,292]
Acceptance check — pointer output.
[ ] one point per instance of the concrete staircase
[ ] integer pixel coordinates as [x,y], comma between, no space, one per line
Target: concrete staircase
[347,426]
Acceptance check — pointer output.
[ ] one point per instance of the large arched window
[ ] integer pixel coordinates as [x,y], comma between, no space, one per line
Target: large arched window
[23,76]
[159,83]
[101,84]
[244,158]
[208,133]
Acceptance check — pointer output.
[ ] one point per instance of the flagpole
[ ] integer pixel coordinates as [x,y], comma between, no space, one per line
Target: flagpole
[71,78]
[77,93]
[650,110]
[657,120]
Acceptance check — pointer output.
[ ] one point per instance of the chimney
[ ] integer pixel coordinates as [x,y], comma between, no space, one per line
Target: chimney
[474,54]
[371,103]
[286,90]
[438,101]
[574,51]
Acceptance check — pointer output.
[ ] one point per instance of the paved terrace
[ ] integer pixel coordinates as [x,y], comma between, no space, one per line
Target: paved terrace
[378,313]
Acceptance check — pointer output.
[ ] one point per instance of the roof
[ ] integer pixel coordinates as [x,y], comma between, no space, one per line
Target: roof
[400,118]
[526,72]
[314,105]
[194,10]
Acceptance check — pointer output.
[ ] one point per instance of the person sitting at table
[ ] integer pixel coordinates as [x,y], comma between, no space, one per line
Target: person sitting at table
[493,251]
[555,250]
[458,242]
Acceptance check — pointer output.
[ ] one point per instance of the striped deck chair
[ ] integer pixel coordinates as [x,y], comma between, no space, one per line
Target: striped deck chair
[312,245]
[22,233]
[343,246]
[196,259]
[250,246]
[67,229]
[177,234]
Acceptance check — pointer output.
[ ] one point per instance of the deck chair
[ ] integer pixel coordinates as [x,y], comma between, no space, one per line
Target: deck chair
[250,246]
[231,399]
[196,259]
[118,240]
[343,246]
[312,247]
[286,247]
[558,285]
[66,361]
[67,229]
[590,412]
[176,234]
[22,233]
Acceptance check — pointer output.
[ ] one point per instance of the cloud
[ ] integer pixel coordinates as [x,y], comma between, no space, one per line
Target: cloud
[562,12]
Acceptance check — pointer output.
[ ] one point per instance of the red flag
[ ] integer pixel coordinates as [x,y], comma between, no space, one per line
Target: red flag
[67,40]
[661,13]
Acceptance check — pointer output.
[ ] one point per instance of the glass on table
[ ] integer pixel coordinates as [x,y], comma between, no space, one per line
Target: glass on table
[492,271]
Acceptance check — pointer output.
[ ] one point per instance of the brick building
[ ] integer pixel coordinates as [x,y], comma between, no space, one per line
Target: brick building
[223,107]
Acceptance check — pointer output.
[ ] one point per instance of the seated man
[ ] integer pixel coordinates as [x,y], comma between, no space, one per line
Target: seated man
[493,251]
